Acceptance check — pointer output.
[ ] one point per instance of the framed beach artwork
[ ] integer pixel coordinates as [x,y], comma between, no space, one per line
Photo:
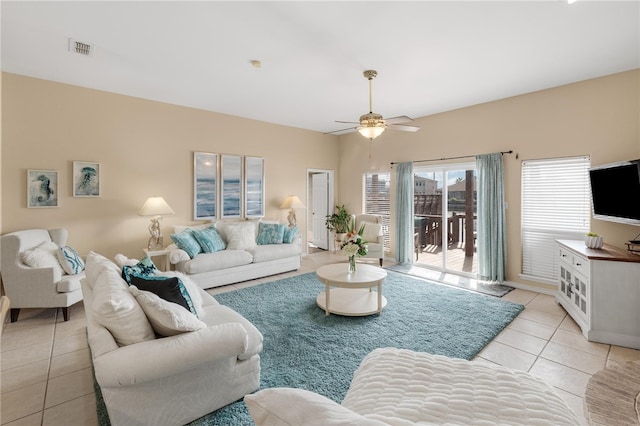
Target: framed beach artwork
[254,186]
[205,185]
[231,185]
[42,188]
[86,179]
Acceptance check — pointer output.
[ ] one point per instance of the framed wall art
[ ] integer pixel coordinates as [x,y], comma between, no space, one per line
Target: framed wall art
[254,186]
[42,188]
[231,184]
[205,185]
[86,179]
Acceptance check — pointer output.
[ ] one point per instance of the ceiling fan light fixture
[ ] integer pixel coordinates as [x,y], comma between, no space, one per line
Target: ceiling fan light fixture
[371,132]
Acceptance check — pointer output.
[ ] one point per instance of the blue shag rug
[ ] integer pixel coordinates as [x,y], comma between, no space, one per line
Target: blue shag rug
[305,349]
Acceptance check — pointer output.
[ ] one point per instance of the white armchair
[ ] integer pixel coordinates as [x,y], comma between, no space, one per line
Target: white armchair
[29,287]
[373,234]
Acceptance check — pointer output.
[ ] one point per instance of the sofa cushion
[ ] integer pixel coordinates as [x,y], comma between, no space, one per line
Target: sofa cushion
[143,268]
[70,260]
[289,234]
[69,283]
[187,242]
[371,231]
[43,255]
[266,253]
[166,318]
[117,310]
[206,262]
[209,239]
[95,264]
[294,407]
[170,289]
[270,233]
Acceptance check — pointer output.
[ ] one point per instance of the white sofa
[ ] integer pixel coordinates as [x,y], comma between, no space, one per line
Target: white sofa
[402,387]
[146,379]
[241,260]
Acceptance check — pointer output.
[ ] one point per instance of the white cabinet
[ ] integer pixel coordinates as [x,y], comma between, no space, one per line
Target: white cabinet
[600,289]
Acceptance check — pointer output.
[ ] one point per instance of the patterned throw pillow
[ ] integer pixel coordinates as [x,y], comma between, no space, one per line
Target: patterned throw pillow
[289,235]
[170,289]
[270,233]
[209,239]
[143,268]
[70,260]
[187,242]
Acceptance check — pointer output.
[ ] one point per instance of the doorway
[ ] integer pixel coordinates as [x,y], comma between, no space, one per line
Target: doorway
[320,201]
[445,208]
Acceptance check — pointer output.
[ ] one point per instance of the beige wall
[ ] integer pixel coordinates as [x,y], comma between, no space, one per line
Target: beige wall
[599,117]
[145,149]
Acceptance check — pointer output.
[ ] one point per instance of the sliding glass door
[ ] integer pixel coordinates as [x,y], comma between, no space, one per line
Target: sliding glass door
[445,200]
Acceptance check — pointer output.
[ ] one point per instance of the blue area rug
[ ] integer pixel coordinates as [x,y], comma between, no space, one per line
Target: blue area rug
[303,348]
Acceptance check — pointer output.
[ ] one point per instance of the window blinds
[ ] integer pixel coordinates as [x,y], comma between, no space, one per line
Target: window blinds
[556,204]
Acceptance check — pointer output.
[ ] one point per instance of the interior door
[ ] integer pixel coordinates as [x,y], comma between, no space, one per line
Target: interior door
[320,209]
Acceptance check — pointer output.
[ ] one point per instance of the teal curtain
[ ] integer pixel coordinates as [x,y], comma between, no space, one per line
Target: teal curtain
[491,225]
[404,213]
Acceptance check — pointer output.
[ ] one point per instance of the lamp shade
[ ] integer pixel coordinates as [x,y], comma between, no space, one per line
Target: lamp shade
[371,132]
[155,206]
[292,202]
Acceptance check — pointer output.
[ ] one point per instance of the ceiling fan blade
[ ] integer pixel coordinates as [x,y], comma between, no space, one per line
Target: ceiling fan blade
[348,122]
[398,120]
[349,129]
[404,128]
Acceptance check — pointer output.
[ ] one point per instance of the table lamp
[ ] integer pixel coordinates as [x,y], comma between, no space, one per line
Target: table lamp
[155,206]
[292,202]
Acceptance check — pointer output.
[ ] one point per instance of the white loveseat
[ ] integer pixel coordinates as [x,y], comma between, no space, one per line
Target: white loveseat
[242,258]
[146,379]
[401,387]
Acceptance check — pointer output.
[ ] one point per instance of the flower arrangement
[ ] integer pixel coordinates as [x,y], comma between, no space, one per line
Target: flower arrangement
[354,244]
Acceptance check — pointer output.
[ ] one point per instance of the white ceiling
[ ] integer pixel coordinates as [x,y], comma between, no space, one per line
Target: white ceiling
[430,56]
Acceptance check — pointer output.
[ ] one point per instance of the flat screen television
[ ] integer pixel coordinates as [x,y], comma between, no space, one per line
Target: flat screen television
[615,192]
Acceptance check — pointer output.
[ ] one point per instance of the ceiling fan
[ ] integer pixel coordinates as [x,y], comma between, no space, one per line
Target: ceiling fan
[372,125]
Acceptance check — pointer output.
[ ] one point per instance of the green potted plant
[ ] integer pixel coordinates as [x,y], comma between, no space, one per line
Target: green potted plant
[338,222]
[593,240]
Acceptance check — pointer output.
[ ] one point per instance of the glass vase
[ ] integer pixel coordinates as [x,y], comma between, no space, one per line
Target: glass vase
[352,264]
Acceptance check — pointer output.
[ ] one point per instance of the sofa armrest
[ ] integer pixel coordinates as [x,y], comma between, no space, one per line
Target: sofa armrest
[177,255]
[153,359]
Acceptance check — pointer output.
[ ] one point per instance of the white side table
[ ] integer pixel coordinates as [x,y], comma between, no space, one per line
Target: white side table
[164,253]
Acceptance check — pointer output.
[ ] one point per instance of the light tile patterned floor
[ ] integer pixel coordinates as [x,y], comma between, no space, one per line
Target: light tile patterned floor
[46,377]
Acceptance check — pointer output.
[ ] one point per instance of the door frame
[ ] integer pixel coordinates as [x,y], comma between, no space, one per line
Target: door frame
[330,200]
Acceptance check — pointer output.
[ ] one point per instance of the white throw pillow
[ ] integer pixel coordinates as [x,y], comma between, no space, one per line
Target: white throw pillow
[371,231]
[44,255]
[294,407]
[166,318]
[70,260]
[117,310]
[239,235]
[95,264]
[122,260]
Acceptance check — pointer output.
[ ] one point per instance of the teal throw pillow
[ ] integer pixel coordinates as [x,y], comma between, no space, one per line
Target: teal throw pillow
[209,239]
[270,233]
[143,268]
[187,242]
[289,235]
[70,260]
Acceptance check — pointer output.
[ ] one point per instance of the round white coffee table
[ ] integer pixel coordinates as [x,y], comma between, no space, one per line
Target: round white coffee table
[351,294]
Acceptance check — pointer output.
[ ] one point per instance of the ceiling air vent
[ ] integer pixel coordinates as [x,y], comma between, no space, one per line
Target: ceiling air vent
[80,48]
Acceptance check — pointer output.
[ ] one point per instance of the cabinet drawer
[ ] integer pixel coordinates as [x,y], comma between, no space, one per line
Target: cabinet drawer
[581,264]
[566,256]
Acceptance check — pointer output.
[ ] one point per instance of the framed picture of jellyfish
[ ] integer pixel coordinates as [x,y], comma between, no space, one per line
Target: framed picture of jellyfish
[42,188]
[86,179]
